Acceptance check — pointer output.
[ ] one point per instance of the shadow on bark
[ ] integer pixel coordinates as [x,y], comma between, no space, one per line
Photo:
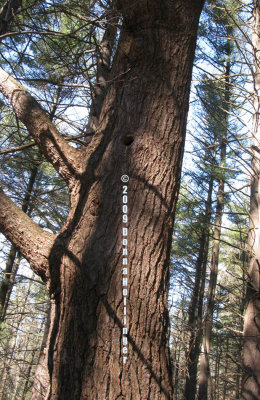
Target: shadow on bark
[81,284]
[136,349]
[251,368]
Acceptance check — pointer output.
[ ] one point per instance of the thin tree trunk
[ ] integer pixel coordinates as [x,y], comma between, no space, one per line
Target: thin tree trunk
[27,384]
[4,376]
[226,371]
[176,375]
[251,352]
[204,377]
[7,282]
[195,307]
[196,304]
[10,349]
[204,361]
[41,384]
[239,381]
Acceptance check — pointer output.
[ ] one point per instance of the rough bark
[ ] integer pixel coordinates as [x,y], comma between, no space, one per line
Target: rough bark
[41,383]
[33,242]
[251,352]
[104,57]
[140,133]
[147,103]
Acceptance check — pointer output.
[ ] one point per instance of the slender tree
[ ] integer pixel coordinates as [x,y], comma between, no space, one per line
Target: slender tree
[204,176]
[226,331]
[204,363]
[196,303]
[251,351]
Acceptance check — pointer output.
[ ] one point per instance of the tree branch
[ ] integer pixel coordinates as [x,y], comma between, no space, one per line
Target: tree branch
[7,13]
[61,155]
[33,242]
[18,148]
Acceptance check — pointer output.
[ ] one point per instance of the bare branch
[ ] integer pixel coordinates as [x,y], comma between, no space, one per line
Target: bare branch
[18,148]
[62,156]
[33,242]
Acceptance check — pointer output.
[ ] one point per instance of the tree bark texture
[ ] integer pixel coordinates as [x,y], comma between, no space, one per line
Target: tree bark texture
[104,59]
[141,133]
[41,383]
[147,104]
[251,352]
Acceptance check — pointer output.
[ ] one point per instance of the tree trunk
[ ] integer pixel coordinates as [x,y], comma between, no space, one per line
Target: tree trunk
[176,373]
[106,343]
[204,360]
[141,134]
[204,376]
[196,305]
[41,383]
[11,365]
[7,282]
[251,353]
[226,370]
[104,57]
